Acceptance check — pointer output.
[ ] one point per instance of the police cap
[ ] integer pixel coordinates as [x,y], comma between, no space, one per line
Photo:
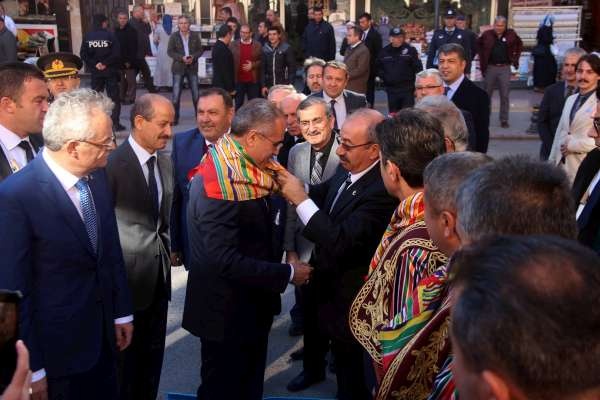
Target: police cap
[397,32]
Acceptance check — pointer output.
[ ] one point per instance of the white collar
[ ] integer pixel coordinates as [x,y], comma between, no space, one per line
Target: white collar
[366,32]
[9,139]
[356,44]
[357,176]
[338,99]
[142,155]
[66,179]
[456,83]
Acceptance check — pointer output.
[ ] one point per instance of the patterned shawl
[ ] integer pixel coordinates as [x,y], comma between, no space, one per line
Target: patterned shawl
[229,173]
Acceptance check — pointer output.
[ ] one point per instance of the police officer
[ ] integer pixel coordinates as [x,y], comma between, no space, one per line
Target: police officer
[448,34]
[397,65]
[61,71]
[101,53]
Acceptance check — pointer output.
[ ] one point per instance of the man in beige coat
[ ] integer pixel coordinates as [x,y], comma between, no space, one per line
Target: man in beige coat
[571,142]
[357,59]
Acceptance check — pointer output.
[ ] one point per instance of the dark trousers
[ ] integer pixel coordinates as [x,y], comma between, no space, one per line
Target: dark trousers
[99,383]
[111,83]
[297,313]
[316,340]
[128,84]
[140,364]
[192,79]
[243,89]
[371,90]
[349,369]
[144,69]
[234,369]
[399,98]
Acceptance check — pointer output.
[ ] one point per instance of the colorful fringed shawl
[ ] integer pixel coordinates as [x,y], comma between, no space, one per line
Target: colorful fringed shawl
[229,173]
[404,290]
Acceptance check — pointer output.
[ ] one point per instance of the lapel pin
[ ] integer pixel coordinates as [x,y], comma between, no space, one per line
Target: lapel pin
[354,193]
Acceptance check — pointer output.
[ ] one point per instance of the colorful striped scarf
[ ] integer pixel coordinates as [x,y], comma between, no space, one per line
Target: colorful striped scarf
[229,173]
[410,210]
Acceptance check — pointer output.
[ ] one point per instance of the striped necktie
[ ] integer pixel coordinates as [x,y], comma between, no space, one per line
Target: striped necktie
[316,173]
[89,212]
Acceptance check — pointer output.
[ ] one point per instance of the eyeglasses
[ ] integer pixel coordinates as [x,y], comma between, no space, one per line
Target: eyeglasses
[350,147]
[113,142]
[276,145]
[597,125]
[428,87]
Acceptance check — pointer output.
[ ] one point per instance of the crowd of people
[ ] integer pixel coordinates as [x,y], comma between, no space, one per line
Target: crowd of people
[422,268]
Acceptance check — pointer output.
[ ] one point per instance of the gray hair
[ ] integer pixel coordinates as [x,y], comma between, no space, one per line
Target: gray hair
[312,62]
[445,173]
[186,17]
[575,51]
[453,122]
[516,195]
[257,114]
[312,101]
[500,18]
[430,73]
[291,89]
[69,117]
[295,96]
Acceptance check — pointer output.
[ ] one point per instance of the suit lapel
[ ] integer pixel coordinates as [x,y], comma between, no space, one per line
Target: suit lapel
[195,152]
[50,185]
[332,161]
[166,178]
[5,169]
[138,180]
[582,116]
[354,192]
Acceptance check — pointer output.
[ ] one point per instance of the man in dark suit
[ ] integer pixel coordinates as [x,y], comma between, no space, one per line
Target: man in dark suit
[293,134]
[23,106]
[552,104]
[586,191]
[60,248]
[215,111]
[142,199]
[185,47]
[343,102]
[234,281]
[344,217]
[222,60]
[372,39]
[464,93]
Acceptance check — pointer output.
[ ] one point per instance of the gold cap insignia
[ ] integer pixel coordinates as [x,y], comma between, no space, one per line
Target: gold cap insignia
[57,64]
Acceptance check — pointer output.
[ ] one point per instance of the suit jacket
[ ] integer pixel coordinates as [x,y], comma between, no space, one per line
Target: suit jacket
[470,128]
[235,278]
[353,101]
[549,115]
[475,100]
[358,62]
[374,44]
[579,142]
[223,73]
[345,240]
[37,141]
[299,165]
[187,151]
[289,141]
[142,238]
[588,233]
[71,295]
[176,51]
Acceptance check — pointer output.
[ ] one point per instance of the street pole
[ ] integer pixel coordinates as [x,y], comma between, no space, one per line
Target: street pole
[436,5]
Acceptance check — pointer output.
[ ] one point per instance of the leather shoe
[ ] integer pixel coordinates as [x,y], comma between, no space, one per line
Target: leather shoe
[298,354]
[304,381]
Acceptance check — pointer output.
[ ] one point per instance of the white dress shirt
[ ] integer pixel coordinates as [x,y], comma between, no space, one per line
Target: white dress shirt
[67,180]
[143,156]
[186,43]
[10,25]
[340,108]
[454,86]
[308,208]
[9,142]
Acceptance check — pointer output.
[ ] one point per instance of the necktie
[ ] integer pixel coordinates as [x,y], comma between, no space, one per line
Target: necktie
[152,186]
[89,212]
[586,213]
[446,90]
[317,170]
[25,145]
[570,91]
[332,102]
[578,102]
[343,187]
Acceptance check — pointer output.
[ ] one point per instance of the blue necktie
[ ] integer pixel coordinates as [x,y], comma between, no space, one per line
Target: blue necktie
[89,212]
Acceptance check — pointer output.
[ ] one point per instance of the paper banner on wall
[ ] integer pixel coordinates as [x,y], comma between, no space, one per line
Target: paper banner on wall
[173,9]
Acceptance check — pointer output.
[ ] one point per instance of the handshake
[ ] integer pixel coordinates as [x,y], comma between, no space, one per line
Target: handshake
[302,272]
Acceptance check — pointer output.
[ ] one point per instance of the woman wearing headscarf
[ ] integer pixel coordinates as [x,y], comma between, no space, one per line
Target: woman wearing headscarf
[544,63]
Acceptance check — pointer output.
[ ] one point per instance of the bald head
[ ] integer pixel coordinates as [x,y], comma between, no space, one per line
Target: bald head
[289,105]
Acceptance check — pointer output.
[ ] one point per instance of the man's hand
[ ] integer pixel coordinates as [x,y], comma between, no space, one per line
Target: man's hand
[265,92]
[291,257]
[247,66]
[292,188]
[564,147]
[176,259]
[21,380]
[124,333]
[302,272]
[39,390]
[100,66]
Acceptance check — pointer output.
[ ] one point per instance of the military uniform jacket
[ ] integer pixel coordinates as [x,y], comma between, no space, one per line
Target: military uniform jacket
[440,38]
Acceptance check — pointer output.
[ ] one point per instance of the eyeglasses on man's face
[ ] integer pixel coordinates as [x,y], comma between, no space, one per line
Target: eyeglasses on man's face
[105,145]
[350,147]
